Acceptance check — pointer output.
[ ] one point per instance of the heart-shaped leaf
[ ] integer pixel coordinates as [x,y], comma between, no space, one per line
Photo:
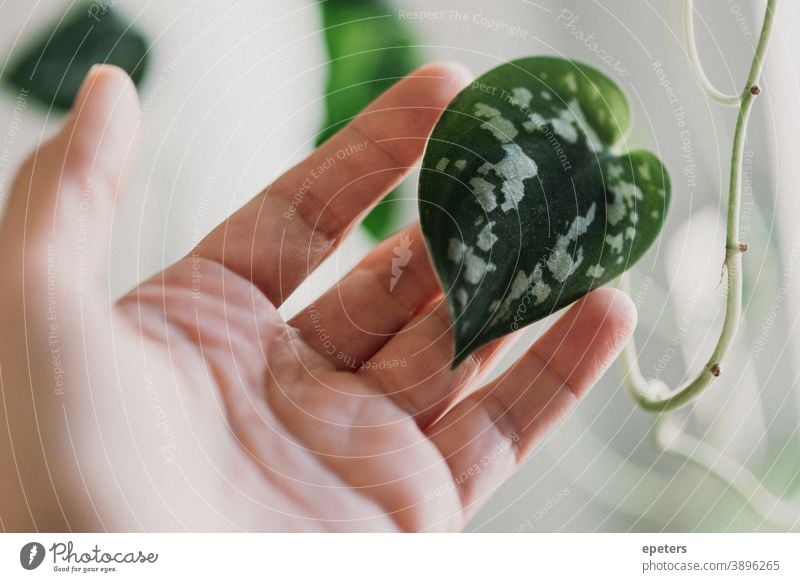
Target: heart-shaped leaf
[525,201]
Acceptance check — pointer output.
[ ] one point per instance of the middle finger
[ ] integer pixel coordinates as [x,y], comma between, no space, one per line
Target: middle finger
[356,317]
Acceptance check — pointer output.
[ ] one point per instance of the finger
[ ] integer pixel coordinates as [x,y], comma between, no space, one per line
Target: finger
[374,447]
[413,369]
[279,237]
[484,437]
[63,196]
[55,241]
[352,320]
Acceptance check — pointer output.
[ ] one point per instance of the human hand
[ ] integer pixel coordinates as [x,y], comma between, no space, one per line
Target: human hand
[191,405]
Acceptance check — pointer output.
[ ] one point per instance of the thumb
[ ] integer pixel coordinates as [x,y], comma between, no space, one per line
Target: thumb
[63,197]
[54,307]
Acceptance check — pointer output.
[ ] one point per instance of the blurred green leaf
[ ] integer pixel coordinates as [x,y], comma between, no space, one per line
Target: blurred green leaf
[53,68]
[368,50]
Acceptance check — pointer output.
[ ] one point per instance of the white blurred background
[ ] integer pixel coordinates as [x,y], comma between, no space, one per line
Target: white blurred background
[235,94]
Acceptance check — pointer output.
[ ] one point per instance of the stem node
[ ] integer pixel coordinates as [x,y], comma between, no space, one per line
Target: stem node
[638,385]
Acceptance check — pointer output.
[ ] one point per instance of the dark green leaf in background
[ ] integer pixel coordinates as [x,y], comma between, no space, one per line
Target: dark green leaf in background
[525,203]
[53,68]
[368,49]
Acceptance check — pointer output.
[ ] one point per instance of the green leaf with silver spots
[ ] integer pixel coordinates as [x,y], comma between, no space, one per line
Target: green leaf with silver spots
[525,200]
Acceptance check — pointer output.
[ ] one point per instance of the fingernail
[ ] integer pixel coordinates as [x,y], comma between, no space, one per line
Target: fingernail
[104,118]
[86,86]
[461,72]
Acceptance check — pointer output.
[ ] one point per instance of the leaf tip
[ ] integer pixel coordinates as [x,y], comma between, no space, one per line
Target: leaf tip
[463,347]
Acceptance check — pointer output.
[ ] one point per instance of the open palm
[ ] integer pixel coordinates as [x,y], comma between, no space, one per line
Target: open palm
[191,404]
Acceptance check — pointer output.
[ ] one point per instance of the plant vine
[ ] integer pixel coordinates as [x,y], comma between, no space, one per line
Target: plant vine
[654,395]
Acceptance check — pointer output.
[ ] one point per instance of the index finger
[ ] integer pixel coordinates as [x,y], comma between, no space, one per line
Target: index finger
[279,237]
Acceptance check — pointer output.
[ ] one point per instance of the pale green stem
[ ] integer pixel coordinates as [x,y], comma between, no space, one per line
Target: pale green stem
[671,438]
[694,59]
[652,396]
